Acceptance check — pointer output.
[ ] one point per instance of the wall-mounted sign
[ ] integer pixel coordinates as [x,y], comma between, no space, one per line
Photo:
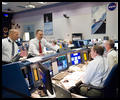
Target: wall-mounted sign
[5,29]
[112,6]
[48,24]
[98,19]
[28,28]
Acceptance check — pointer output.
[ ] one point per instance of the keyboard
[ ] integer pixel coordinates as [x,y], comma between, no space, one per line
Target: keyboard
[60,76]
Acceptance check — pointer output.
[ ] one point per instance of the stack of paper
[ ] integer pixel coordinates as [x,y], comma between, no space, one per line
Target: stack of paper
[35,59]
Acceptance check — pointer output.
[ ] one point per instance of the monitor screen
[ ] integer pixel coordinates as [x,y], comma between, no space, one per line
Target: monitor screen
[116,44]
[61,62]
[81,43]
[75,58]
[34,68]
[85,56]
[48,64]
[85,42]
[35,75]
[45,77]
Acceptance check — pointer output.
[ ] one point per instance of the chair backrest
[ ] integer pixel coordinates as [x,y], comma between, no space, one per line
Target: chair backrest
[111,83]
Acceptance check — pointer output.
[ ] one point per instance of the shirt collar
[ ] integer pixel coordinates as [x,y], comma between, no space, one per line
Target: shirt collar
[97,56]
[110,50]
[10,39]
[37,40]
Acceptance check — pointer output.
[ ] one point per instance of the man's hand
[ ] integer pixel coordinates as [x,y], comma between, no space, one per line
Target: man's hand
[40,54]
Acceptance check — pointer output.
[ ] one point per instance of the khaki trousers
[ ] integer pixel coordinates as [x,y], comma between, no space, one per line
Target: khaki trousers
[90,92]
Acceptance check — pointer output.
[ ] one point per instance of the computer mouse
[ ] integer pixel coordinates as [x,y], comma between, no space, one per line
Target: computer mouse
[71,71]
[65,81]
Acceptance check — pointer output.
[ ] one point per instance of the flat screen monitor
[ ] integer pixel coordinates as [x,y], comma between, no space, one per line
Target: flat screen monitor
[62,62]
[76,36]
[80,43]
[105,38]
[116,44]
[48,64]
[85,56]
[45,77]
[35,74]
[75,58]
[85,42]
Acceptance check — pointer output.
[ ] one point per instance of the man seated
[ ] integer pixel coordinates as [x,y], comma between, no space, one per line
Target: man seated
[112,55]
[70,44]
[55,46]
[96,72]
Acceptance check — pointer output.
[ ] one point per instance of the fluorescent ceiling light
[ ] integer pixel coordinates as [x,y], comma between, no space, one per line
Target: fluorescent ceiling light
[42,2]
[4,3]
[30,6]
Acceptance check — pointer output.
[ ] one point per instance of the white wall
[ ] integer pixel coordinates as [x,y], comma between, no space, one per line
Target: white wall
[79,21]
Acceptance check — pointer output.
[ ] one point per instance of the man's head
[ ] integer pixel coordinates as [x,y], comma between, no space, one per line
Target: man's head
[70,42]
[109,44]
[54,43]
[96,50]
[13,34]
[39,34]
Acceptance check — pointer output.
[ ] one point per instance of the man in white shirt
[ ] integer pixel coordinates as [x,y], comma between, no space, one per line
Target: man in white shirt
[7,52]
[112,55]
[34,45]
[70,44]
[97,70]
[54,44]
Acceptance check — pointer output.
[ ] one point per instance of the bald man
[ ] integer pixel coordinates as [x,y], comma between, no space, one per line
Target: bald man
[9,47]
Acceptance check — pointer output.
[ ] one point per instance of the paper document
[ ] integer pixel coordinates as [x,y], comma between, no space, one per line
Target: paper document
[70,83]
[74,76]
[35,59]
[71,77]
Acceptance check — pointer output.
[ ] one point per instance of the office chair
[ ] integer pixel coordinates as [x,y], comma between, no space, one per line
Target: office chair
[111,83]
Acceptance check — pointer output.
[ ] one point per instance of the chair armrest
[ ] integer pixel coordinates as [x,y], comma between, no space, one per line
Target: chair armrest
[91,86]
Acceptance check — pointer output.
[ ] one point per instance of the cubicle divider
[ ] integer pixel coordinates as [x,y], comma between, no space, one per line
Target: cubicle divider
[18,76]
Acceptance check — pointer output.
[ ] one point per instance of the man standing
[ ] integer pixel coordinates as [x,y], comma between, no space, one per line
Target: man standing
[112,55]
[9,47]
[37,44]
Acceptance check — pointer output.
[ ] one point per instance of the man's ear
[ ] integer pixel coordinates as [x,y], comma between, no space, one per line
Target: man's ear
[96,52]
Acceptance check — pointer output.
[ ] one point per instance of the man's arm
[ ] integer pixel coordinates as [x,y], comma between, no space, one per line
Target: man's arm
[89,73]
[48,45]
[33,48]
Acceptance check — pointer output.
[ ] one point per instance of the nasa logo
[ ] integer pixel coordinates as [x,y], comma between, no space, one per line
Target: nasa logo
[112,6]
[28,28]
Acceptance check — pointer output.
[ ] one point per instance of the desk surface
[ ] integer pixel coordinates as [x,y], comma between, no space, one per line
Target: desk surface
[73,78]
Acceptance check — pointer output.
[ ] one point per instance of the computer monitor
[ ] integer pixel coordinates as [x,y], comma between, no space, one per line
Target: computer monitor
[45,77]
[85,42]
[35,75]
[76,36]
[75,58]
[116,45]
[80,43]
[105,38]
[62,62]
[48,64]
[84,56]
